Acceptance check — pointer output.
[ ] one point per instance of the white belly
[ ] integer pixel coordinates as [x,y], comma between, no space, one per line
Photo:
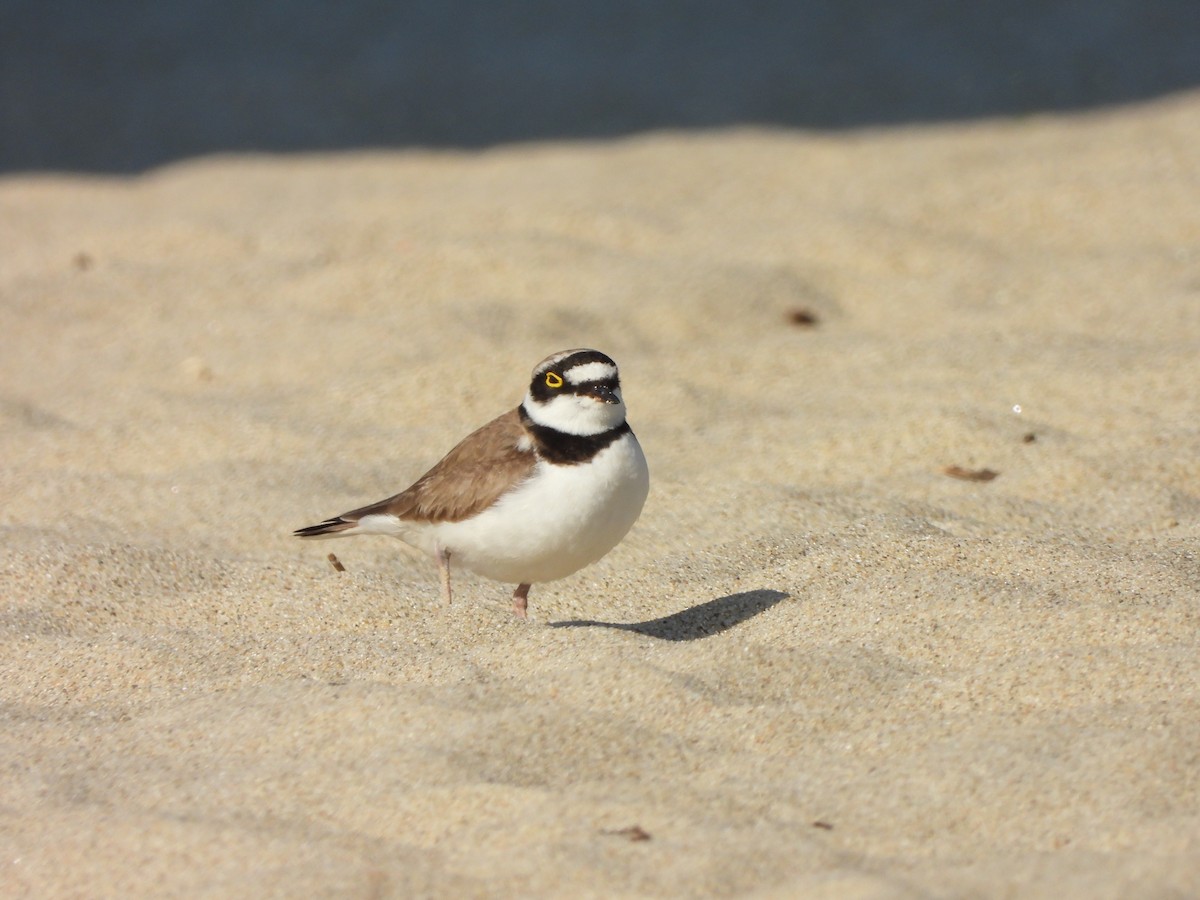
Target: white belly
[560,520]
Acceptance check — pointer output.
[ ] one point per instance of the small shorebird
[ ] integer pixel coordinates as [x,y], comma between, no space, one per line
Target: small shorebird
[534,495]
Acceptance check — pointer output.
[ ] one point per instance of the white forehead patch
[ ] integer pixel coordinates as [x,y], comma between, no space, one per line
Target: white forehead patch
[593,371]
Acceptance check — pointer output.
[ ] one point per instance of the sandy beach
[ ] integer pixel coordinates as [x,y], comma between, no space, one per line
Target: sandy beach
[819,666]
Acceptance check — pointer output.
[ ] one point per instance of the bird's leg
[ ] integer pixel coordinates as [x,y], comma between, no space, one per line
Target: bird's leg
[521,600]
[443,563]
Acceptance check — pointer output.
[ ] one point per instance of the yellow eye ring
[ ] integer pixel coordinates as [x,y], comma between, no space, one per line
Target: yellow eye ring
[553,380]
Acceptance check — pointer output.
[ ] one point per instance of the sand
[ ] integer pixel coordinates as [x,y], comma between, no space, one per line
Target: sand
[819,666]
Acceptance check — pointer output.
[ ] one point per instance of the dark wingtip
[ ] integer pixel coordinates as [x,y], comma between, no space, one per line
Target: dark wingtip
[329,526]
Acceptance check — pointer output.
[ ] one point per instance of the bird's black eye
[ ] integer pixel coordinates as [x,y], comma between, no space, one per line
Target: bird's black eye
[553,380]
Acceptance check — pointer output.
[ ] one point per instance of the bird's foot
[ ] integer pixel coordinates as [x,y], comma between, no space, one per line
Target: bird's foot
[521,601]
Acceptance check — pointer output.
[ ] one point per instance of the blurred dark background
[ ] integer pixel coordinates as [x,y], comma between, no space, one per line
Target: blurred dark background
[122,85]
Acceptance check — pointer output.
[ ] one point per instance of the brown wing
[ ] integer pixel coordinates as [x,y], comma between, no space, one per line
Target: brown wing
[467,480]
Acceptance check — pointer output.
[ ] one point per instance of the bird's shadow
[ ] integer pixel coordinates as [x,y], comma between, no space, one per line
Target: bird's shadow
[695,622]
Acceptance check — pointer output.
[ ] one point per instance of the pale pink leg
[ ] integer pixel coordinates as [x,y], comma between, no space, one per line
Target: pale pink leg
[443,562]
[521,600]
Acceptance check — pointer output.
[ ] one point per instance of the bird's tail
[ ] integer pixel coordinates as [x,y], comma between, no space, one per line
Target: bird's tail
[338,526]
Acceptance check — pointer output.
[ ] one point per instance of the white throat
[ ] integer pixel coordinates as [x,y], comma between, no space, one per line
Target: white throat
[576,414]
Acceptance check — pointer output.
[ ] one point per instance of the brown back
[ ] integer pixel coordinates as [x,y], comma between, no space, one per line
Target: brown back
[467,480]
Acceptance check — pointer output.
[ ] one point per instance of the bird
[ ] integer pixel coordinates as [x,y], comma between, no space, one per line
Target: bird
[535,495]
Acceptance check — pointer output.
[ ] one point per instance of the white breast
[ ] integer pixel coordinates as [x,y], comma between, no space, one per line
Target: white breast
[560,520]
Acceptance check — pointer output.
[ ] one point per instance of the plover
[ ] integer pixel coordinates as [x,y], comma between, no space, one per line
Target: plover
[534,495]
